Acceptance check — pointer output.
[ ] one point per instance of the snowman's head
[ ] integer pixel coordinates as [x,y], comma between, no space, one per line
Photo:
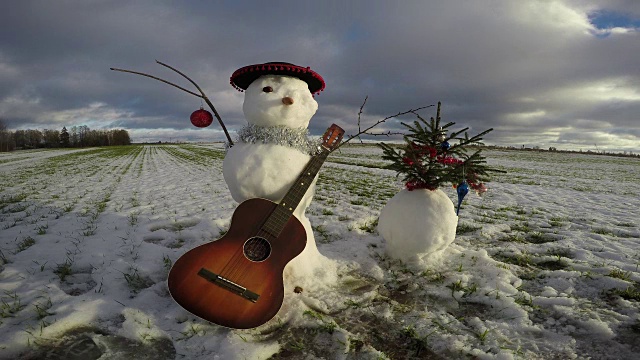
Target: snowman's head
[273,100]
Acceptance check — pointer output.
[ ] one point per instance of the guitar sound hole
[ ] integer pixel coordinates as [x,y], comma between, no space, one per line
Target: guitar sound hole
[257,249]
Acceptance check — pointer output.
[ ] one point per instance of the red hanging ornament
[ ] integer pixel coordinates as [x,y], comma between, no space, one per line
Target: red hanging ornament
[201,118]
[407,161]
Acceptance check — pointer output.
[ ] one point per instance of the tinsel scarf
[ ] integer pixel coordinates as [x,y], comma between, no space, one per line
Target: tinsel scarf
[279,135]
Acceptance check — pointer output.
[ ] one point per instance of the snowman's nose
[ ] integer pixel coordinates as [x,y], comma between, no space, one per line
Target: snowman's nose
[287,100]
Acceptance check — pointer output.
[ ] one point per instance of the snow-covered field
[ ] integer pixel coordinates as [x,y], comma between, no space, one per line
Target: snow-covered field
[545,265]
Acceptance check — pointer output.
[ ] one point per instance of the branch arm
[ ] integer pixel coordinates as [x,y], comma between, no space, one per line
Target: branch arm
[215,112]
[380,122]
[183,75]
[157,78]
[202,95]
[393,116]
[388,133]
[360,113]
[206,99]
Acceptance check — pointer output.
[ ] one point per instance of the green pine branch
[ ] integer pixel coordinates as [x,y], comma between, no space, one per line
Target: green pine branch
[425,162]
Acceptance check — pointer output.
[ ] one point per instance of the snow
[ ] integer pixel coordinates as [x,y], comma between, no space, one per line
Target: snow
[418,224]
[544,265]
[264,171]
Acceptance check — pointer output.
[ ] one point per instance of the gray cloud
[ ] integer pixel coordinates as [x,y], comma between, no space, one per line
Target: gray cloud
[532,70]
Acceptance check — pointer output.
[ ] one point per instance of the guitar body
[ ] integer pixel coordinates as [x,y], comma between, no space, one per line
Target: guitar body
[232,281]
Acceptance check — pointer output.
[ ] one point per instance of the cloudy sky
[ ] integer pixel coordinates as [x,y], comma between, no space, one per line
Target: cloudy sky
[563,73]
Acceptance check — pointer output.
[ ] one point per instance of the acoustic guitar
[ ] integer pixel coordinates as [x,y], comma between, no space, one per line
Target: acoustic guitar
[237,280]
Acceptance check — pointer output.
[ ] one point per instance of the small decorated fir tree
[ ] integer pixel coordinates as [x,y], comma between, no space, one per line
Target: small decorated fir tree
[431,158]
[422,220]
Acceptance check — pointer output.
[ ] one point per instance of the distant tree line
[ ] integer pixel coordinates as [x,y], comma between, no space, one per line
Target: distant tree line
[554,149]
[76,136]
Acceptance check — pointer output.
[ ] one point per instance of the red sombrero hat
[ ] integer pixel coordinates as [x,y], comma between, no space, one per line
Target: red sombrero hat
[243,77]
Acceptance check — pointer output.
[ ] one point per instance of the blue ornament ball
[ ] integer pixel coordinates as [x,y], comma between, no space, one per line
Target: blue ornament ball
[445,145]
[462,189]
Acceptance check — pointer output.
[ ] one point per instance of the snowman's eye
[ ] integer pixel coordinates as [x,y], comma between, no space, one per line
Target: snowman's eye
[267,89]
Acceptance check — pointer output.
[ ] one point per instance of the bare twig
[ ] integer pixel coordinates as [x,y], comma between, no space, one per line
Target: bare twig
[365,131]
[153,77]
[183,75]
[202,95]
[360,113]
[388,133]
[206,99]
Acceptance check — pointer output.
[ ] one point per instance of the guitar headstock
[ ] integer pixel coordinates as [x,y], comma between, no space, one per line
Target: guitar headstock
[332,137]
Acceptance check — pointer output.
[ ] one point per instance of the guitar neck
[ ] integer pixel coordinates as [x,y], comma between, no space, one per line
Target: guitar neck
[280,216]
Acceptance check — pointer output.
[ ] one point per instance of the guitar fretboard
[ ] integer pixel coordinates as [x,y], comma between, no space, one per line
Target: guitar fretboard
[280,216]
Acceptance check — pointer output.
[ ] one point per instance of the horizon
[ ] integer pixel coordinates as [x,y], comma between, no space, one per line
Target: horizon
[370,141]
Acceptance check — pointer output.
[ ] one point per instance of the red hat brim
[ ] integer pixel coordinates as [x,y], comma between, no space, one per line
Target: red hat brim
[243,77]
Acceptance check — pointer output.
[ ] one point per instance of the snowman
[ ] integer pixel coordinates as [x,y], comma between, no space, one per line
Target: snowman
[274,148]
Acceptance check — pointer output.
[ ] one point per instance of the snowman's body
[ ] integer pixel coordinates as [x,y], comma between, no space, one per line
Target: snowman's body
[267,170]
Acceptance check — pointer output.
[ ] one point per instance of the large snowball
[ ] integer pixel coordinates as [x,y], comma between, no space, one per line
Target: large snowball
[416,223]
[267,109]
[264,171]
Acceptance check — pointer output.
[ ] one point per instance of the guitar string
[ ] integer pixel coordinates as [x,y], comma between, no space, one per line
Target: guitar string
[267,234]
[236,260]
[294,196]
[270,230]
[233,270]
[235,263]
[280,219]
[280,216]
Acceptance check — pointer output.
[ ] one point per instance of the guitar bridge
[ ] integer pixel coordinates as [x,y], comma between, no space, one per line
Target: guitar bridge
[229,285]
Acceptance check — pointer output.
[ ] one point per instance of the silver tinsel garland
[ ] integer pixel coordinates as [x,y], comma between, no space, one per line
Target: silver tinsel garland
[279,135]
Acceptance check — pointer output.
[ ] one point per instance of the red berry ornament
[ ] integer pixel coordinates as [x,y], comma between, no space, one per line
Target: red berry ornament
[201,118]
